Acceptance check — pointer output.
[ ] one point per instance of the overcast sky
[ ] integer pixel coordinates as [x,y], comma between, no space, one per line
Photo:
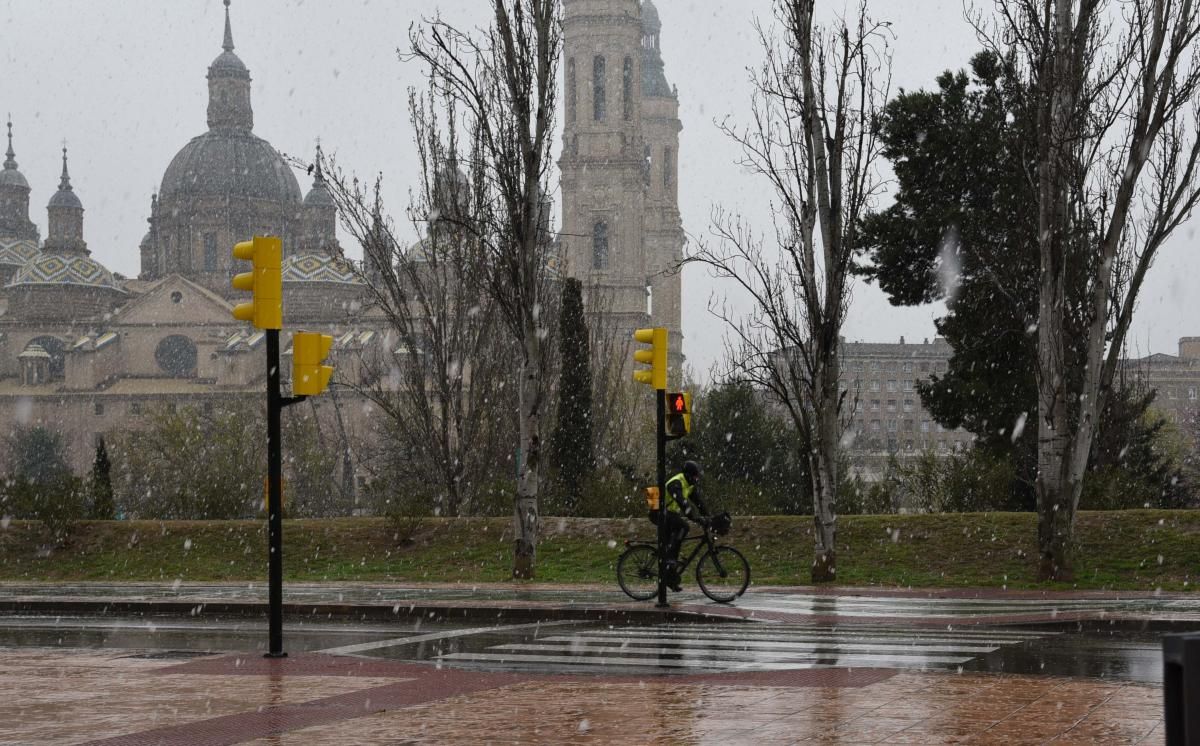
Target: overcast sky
[123,83]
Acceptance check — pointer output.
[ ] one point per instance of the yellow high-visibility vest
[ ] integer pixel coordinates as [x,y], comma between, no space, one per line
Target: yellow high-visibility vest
[672,505]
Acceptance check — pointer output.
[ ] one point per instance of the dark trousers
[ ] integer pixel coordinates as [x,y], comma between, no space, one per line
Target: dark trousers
[677,531]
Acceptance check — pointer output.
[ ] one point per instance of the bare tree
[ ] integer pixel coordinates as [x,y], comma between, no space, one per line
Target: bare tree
[1114,85]
[620,414]
[812,138]
[439,374]
[504,80]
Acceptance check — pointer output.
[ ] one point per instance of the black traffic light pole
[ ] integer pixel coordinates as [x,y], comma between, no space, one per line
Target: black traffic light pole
[660,437]
[275,404]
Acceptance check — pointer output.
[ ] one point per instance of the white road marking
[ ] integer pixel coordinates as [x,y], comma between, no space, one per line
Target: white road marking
[376,644]
[717,657]
[789,644]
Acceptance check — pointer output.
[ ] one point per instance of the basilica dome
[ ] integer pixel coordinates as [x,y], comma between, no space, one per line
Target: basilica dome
[230,162]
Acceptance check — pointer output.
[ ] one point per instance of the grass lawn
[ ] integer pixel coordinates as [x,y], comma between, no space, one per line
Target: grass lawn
[1137,549]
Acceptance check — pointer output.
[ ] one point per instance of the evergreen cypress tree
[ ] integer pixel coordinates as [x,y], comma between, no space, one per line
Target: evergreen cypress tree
[573,437]
[103,507]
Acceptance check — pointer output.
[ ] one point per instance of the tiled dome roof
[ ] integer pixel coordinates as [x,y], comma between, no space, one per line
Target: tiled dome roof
[65,269]
[318,268]
[17,251]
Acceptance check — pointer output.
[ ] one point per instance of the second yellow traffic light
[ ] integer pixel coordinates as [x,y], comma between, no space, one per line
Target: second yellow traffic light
[655,357]
[309,375]
[265,311]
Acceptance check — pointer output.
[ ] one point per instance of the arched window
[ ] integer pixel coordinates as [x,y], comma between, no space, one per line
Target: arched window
[176,356]
[599,103]
[210,252]
[600,245]
[668,167]
[572,91]
[627,89]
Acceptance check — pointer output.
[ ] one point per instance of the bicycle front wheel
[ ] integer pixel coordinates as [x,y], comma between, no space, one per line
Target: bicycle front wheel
[723,574]
[637,572]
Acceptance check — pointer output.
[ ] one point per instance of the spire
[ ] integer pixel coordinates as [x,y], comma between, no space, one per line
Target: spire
[319,195]
[227,45]
[320,176]
[10,162]
[64,185]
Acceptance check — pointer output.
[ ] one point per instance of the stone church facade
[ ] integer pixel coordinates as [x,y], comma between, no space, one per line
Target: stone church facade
[90,354]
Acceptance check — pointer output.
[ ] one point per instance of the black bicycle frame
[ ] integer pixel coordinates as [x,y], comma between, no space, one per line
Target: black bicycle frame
[703,541]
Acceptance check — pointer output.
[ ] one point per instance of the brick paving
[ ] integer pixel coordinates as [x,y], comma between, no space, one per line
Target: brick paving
[70,696]
[64,696]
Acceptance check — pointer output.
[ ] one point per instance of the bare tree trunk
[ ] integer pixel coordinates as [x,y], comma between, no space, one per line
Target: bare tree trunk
[1113,92]
[505,80]
[823,467]
[525,519]
[814,139]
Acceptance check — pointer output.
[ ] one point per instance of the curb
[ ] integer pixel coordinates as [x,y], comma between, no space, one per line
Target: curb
[366,612]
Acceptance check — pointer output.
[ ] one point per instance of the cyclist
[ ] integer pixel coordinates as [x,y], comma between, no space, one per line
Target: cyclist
[683,499]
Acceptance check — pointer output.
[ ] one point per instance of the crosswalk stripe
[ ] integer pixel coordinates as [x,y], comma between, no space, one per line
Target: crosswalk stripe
[893,601]
[625,661]
[712,654]
[739,644]
[850,629]
[894,614]
[622,661]
[908,607]
[732,647]
[891,639]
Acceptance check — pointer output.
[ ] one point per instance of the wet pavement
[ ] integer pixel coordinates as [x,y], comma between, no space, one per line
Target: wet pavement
[76,696]
[780,666]
[842,605]
[572,647]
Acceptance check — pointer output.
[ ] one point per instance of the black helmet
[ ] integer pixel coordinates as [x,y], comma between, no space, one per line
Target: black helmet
[692,471]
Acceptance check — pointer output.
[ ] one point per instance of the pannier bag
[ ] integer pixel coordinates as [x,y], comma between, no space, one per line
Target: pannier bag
[721,523]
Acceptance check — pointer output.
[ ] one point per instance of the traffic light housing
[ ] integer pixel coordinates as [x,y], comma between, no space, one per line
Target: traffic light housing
[655,357]
[679,414]
[265,282]
[309,375]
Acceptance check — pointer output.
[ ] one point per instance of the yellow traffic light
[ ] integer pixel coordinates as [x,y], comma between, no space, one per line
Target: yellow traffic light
[309,376]
[265,282]
[655,357]
[679,414]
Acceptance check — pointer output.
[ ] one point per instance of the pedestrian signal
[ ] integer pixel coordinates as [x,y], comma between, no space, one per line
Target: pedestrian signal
[679,414]
[655,357]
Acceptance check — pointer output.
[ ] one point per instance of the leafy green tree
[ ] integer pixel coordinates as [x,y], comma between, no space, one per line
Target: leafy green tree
[40,485]
[736,439]
[208,464]
[37,455]
[573,455]
[1138,456]
[103,507]
[960,231]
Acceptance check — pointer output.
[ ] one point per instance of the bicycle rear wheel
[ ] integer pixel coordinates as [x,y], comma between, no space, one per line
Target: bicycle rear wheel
[637,572]
[723,574]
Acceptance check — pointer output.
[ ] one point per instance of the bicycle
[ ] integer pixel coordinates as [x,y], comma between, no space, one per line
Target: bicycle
[722,573]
